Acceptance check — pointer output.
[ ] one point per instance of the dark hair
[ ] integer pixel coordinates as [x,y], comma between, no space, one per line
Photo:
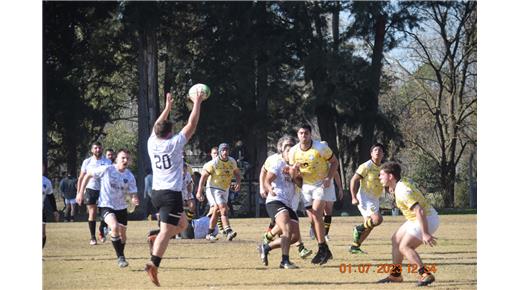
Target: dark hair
[306,127]
[163,128]
[123,150]
[378,145]
[392,168]
[97,143]
[109,150]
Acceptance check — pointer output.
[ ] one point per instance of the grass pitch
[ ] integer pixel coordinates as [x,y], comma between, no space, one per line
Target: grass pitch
[69,262]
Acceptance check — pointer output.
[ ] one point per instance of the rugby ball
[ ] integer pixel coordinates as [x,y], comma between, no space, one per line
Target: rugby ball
[206,92]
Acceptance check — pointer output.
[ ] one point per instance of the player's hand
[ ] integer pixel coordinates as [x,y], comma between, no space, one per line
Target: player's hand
[56,216]
[355,201]
[135,200]
[326,182]
[429,239]
[79,198]
[340,194]
[271,192]
[169,99]
[200,197]
[263,194]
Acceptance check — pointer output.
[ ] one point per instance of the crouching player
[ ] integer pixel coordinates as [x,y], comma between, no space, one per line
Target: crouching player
[421,222]
[279,183]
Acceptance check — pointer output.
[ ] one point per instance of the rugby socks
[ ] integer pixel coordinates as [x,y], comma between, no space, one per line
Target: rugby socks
[92,228]
[210,231]
[266,248]
[327,219]
[323,246]
[227,230]
[422,270]
[118,246]
[285,259]
[156,260]
[396,271]
[269,235]
[219,223]
[189,215]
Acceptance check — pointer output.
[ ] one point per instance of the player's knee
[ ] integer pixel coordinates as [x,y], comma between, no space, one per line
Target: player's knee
[223,211]
[377,219]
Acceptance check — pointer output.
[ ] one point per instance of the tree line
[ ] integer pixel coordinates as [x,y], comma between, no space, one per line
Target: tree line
[399,73]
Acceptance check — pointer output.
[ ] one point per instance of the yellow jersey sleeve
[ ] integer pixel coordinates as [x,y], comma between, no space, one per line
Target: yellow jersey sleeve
[407,195]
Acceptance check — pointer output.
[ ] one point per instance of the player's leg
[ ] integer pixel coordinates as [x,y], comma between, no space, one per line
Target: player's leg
[327,218]
[369,208]
[44,235]
[173,221]
[110,218]
[91,198]
[397,257]
[73,209]
[221,198]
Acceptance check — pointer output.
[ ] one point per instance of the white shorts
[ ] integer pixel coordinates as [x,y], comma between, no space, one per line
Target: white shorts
[70,201]
[313,192]
[367,205]
[216,196]
[413,228]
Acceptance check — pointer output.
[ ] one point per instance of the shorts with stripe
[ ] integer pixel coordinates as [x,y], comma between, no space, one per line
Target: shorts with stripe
[275,207]
[121,215]
[170,205]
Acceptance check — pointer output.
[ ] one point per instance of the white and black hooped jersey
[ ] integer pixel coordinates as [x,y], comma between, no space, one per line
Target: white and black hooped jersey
[114,186]
[167,161]
[90,164]
[46,189]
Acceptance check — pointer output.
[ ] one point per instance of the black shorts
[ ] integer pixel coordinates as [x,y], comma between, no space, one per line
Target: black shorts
[91,196]
[121,215]
[170,205]
[275,207]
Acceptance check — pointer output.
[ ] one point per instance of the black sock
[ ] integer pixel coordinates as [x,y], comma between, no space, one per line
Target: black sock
[156,260]
[285,258]
[327,220]
[118,246]
[92,228]
[266,248]
[323,246]
[422,270]
[44,239]
[396,271]
[153,232]
[210,231]
[301,247]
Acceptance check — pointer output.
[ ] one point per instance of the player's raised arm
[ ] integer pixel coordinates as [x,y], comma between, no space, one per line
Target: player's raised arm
[167,109]
[193,120]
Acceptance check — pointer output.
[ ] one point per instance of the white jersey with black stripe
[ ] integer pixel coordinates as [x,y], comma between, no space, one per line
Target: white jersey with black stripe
[167,161]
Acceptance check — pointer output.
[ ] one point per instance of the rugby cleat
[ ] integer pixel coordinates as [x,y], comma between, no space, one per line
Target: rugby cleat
[323,255]
[93,242]
[391,279]
[288,265]
[151,270]
[263,254]
[304,253]
[426,279]
[231,235]
[356,250]
[121,261]
[211,238]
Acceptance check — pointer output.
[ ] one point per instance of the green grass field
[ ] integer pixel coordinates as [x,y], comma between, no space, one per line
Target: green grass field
[71,263]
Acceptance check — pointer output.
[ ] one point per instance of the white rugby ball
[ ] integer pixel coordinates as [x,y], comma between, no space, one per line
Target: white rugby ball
[206,92]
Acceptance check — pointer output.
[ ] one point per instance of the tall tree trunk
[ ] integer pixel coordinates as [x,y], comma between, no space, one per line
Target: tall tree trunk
[372,96]
[148,101]
[261,88]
